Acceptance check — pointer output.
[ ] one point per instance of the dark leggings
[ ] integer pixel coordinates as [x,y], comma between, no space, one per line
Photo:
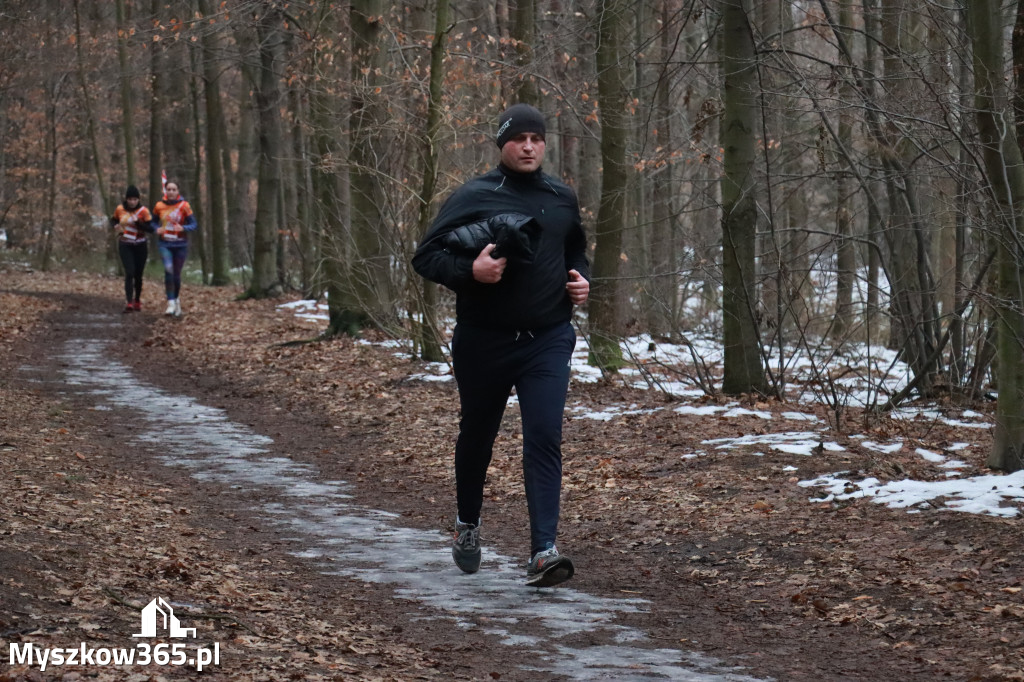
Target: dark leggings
[174,261]
[133,257]
[488,364]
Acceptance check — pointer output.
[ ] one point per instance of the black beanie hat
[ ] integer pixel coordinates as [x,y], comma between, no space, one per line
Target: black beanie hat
[132,192]
[519,118]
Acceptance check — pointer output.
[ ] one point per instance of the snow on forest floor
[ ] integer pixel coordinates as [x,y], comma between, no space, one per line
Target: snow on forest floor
[858,377]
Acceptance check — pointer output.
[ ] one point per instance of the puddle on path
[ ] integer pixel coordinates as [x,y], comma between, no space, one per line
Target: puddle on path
[351,540]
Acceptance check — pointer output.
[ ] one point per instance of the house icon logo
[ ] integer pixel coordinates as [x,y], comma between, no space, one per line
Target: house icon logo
[158,611]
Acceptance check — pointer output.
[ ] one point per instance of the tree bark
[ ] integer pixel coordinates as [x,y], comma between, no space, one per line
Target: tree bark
[330,148]
[875,219]
[268,101]
[664,282]
[216,223]
[240,210]
[367,289]
[101,184]
[1005,167]
[127,108]
[430,346]
[156,106]
[611,88]
[743,368]
[845,255]
[198,240]
[524,30]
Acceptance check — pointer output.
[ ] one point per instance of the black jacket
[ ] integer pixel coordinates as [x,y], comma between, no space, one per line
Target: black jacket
[515,236]
[530,295]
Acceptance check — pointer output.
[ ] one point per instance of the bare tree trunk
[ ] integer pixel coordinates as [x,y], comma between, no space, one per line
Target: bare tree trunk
[198,241]
[524,29]
[915,309]
[101,184]
[743,368]
[1005,167]
[958,359]
[664,283]
[302,181]
[240,209]
[771,241]
[285,207]
[216,223]
[845,254]
[875,220]
[604,298]
[430,346]
[156,152]
[127,109]
[106,201]
[54,86]
[366,289]
[268,100]
[177,121]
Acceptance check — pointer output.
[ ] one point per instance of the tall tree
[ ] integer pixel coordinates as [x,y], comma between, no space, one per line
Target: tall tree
[366,287]
[743,368]
[127,102]
[302,182]
[664,284]
[328,69]
[524,32]
[54,95]
[875,218]
[156,107]
[87,105]
[845,254]
[611,215]
[199,241]
[1004,164]
[268,102]
[240,205]
[216,223]
[914,322]
[430,347]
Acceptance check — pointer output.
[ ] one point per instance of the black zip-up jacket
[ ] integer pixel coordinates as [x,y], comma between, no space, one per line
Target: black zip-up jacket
[531,295]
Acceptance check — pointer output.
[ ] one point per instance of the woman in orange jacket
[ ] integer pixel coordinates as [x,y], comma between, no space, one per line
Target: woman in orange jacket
[172,221]
[131,220]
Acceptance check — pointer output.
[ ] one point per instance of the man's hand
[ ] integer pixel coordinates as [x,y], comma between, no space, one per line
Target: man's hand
[487,269]
[578,288]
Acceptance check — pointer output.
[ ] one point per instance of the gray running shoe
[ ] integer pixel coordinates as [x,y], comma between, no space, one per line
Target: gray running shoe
[549,568]
[466,547]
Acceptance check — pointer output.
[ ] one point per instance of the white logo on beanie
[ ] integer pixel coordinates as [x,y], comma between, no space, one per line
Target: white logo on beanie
[504,127]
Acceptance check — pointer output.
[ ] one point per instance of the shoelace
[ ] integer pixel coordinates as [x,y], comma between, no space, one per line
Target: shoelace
[469,537]
[539,557]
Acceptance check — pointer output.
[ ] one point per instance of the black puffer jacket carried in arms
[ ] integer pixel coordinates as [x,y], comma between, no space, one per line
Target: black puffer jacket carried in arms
[515,236]
[531,294]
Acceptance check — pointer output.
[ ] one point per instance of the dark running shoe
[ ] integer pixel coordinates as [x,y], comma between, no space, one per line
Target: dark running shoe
[466,547]
[549,568]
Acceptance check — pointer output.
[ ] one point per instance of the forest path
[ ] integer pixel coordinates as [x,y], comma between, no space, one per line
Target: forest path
[525,633]
[305,492]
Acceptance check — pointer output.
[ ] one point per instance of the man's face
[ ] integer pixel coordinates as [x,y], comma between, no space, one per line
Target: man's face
[524,152]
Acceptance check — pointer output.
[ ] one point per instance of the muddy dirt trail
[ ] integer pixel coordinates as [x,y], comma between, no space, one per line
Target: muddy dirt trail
[303,526]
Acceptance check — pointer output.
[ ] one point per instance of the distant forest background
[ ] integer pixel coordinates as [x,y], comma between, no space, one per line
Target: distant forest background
[781,174]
